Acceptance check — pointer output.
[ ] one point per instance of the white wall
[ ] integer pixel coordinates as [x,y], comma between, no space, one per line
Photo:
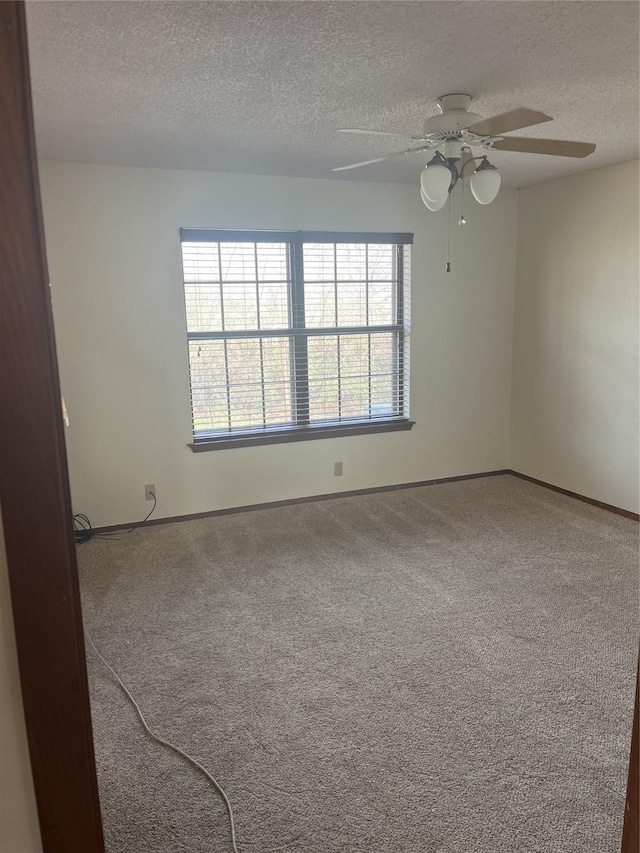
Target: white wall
[575,368]
[114,260]
[19,831]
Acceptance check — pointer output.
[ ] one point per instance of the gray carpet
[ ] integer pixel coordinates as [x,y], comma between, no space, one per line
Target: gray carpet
[445,669]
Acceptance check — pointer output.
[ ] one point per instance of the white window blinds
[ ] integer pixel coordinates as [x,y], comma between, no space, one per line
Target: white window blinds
[295,331]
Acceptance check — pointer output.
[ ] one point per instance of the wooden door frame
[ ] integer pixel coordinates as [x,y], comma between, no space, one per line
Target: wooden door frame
[35,500]
[34,485]
[631,828]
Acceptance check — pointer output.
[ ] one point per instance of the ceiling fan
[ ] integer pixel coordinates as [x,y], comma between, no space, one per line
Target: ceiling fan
[454,132]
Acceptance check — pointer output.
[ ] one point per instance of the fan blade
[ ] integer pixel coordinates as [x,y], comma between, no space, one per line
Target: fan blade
[380,159]
[511,120]
[556,147]
[376,133]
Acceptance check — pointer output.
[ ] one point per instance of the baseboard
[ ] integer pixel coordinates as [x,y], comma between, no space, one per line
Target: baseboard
[372,491]
[600,504]
[310,499]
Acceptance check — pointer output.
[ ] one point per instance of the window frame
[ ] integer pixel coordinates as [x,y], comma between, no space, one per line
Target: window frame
[299,333]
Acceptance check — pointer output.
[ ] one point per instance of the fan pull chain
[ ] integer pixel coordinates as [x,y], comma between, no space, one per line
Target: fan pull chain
[448,268]
[462,220]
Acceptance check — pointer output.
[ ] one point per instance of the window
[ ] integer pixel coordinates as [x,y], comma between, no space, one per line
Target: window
[295,334]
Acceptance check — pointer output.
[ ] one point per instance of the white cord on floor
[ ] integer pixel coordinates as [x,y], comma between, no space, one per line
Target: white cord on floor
[172,746]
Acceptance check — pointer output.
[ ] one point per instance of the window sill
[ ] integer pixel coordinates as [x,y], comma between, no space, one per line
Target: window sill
[299,434]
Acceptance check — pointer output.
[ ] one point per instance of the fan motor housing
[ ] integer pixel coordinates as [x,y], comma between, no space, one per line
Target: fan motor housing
[453,117]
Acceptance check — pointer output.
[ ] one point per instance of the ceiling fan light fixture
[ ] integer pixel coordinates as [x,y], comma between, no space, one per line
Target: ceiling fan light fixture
[435,180]
[432,205]
[485,182]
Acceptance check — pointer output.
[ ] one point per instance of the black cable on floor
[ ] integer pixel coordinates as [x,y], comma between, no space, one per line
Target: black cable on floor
[83,530]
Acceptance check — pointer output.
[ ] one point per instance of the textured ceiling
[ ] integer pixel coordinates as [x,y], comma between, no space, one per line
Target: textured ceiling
[259,87]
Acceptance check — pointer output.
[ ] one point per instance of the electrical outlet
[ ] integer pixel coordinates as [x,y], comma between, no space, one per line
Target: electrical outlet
[337,469]
[150,492]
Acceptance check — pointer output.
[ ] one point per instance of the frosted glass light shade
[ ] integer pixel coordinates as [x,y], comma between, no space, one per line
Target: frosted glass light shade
[485,184]
[435,181]
[432,205]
